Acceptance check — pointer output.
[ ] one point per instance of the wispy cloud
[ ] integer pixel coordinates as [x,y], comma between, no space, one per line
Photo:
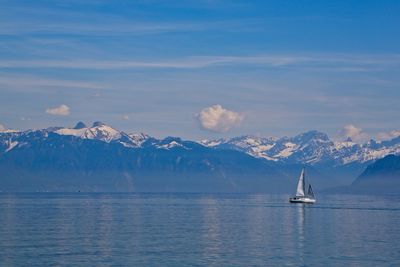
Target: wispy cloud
[388,135]
[32,81]
[77,24]
[320,62]
[354,133]
[114,29]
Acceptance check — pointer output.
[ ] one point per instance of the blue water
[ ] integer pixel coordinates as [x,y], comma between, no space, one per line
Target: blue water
[197,230]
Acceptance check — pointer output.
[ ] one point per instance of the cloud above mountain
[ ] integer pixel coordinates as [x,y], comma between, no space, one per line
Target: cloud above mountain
[355,133]
[218,119]
[2,128]
[62,110]
[388,135]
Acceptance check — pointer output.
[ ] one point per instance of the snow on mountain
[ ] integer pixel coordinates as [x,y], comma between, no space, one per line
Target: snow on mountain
[138,138]
[211,143]
[289,150]
[4,130]
[170,145]
[8,131]
[307,148]
[103,132]
[7,140]
[252,145]
[10,140]
[11,145]
[98,131]
[370,151]
[312,147]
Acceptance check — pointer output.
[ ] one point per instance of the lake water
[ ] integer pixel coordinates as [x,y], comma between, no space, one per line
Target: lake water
[197,230]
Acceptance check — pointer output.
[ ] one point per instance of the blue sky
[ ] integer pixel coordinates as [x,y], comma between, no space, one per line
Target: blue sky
[273,67]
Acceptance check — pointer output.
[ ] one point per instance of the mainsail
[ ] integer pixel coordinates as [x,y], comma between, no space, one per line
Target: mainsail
[301,185]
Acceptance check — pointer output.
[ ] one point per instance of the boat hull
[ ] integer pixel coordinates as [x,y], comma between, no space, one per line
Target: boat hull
[302,200]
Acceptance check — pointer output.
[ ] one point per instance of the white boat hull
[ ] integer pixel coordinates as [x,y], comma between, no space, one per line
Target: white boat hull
[302,200]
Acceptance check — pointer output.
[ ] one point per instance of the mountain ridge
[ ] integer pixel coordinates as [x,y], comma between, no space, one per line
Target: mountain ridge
[380,177]
[100,157]
[311,147]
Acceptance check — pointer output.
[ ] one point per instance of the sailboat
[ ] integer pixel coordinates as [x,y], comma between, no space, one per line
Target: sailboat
[301,195]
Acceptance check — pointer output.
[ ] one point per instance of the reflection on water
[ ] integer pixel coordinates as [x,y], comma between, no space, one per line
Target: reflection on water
[197,230]
[301,209]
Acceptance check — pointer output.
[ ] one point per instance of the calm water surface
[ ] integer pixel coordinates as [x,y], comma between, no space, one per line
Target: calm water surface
[197,230]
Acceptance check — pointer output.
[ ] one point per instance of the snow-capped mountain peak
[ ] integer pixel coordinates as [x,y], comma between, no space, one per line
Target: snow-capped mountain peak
[170,145]
[311,147]
[101,131]
[211,143]
[5,130]
[138,138]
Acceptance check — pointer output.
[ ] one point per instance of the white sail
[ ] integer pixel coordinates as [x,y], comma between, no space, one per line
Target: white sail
[300,185]
[301,196]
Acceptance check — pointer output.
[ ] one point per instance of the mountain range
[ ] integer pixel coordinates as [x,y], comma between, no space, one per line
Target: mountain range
[102,158]
[310,148]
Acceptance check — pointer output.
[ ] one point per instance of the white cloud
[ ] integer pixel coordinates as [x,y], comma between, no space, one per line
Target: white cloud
[218,119]
[2,128]
[388,135]
[350,131]
[125,117]
[62,110]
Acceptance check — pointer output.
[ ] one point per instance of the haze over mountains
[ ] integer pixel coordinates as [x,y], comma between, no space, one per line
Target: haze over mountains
[381,177]
[101,158]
